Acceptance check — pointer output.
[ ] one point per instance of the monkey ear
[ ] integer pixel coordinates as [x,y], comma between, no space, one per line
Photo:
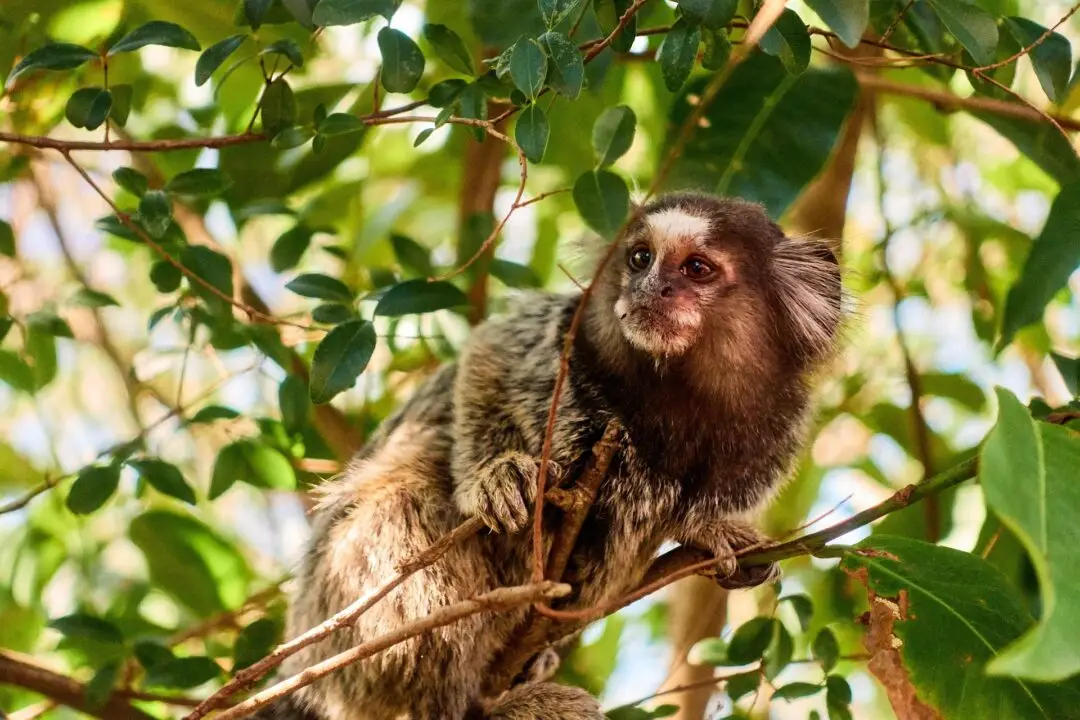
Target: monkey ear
[808,282]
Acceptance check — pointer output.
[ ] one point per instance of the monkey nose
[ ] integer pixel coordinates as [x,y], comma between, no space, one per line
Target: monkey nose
[667,291]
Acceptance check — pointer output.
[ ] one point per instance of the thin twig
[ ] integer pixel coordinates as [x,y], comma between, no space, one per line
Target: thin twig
[1027,50]
[896,21]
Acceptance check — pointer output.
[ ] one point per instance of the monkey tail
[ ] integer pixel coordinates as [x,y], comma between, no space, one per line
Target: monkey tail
[545,701]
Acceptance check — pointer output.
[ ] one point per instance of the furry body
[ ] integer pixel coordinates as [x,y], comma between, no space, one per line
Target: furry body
[707,439]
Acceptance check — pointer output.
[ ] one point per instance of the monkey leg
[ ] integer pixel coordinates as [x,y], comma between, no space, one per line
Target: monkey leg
[724,539]
[545,701]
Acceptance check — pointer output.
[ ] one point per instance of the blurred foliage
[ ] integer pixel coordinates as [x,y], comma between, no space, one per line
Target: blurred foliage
[181,364]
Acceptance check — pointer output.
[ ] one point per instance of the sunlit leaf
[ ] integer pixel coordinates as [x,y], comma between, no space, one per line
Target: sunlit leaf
[340,358]
[156,32]
[253,463]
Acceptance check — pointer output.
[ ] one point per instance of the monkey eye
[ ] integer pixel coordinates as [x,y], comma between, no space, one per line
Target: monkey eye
[640,258]
[696,269]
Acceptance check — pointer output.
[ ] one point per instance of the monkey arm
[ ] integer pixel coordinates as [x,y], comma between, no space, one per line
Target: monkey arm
[704,526]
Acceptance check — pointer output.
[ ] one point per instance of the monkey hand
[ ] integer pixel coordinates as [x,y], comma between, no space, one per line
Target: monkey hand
[725,540]
[503,491]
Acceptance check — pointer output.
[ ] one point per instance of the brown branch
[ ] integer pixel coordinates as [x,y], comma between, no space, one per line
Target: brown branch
[1038,41]
[897,20]
[496,600]
[598,47]
[22,501]
[48,143]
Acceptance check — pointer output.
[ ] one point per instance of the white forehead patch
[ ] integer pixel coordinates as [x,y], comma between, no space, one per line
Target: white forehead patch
[675,223]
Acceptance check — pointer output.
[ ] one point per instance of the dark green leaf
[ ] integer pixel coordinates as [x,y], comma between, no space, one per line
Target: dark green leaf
[795,690]
[213,56]
[87,297]
[183,673]
[717,49]
[608,15]
[613,134]
[528,67]
[603,201]
[770,133]
[255,12]
[1070,371]
[114,226]
[780,651]
[514,274]
[7,239]
[200,182]
[6,323]
[1046,147]
[322,287]
[566,67]
[839,691]
[339,124]
[100,686]
[88,107]
[16,372]
[121,104]
[333,313]
[1054,257]
[402,61]
[678,53]
[155,213]
[301,11]
[803,607]
[165,276]
[156,32]
[213,268]
[290,247]
[972,26]
[957,387]
[713,14]
[214,412]
[826,649]
[340,358]
[412,255]
[789,40]
[531,132]
[292,137]
[420,296]
[294,403]
[87,627]
[847,18]
[743,684]
[751,640]
[287,49]
[55,56]
[1051,57]
[254,643]
[350,12]
[449,46]
[278,108]
[164,477]
[253,463]
[555,11]
[443,94]
[131,180]
[48,322]
[1030,473]
[258,208]
[41,346]
[151,654]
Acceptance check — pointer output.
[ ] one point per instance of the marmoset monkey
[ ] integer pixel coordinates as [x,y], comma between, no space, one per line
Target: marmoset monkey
[701,338]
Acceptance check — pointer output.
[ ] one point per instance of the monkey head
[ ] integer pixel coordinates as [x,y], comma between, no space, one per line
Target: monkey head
[700,275]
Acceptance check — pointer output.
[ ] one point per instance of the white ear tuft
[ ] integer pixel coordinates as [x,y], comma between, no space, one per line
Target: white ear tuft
[809,287]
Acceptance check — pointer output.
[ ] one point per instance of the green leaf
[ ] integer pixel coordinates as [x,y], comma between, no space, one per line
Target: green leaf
[750,641]
[555,11]
[294,403]
[287,49]
[131,180]
[514,274]
[254,643]
[608,13]
[48,322]
[255,12]
[956,387]
[1070,371]
[278,109]
[847,18]
[200,182]
[959,613]
[770,133]
[16,372]
[531,132]
[839,691]
[87,297]
[214,412]
[333,313]
[290,247]
[449,46]
[121,103]
[717,49]
[340,124]
[826,649]
[88,627]
[151,654]
[566,67]
[789,40]
[55,56]
[710,651]
[420,296]
[340,358]
[7,239]
[301,11]
[94,486]
[165,276]
[292,137]
[350,12]
[100,686]
[213,56]
[1051,58]
[713,14]
[1053,258]
[528,67]
[972,26]
[156,32]
[88,107]
[212,267]
[402,61]
[164,477]
[796,690]
[613,134]
[253,463]
[1030,473]
[603,201]
[412,255]
[323,287]
[743,684]
[155,213]
[803,607]
[191,561]
[678,53]
[183,673]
